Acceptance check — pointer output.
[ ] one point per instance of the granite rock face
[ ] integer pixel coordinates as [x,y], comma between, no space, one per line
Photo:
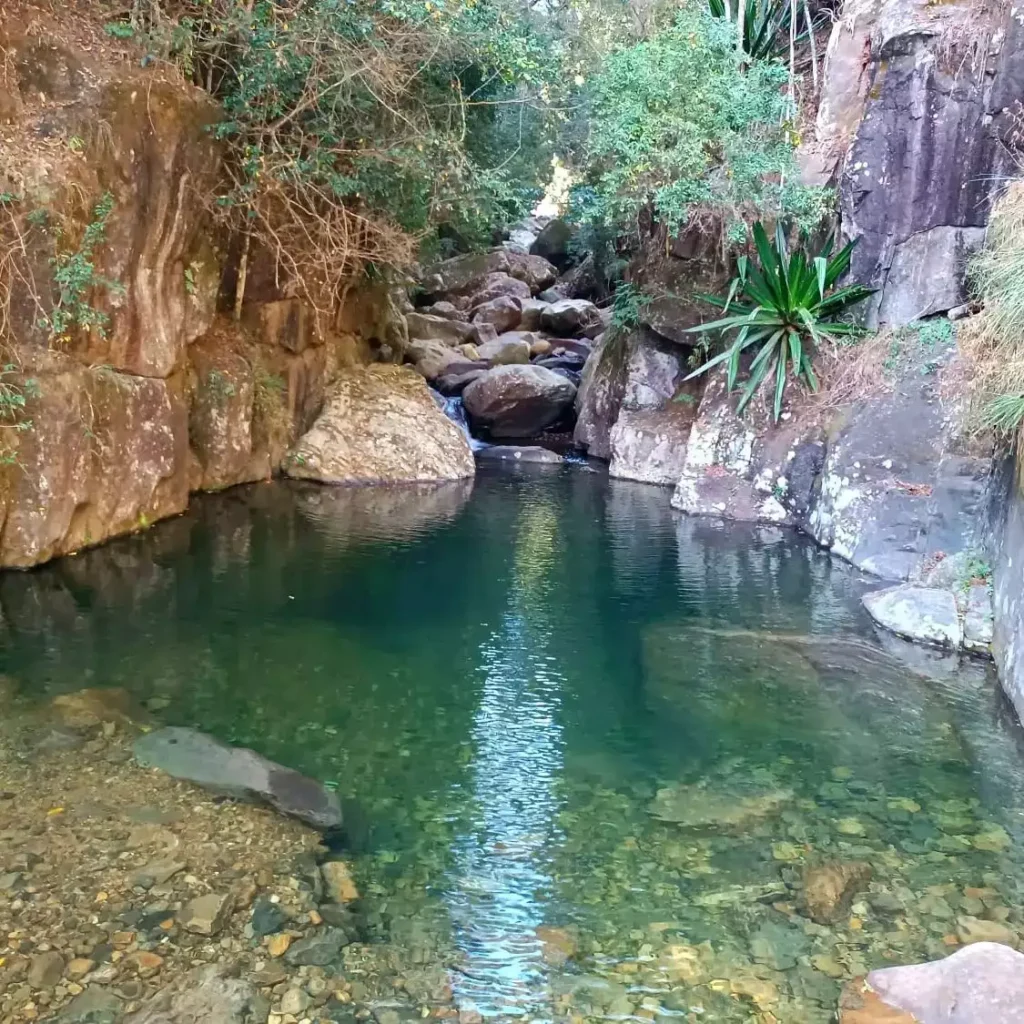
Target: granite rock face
[900,486]
[916,110]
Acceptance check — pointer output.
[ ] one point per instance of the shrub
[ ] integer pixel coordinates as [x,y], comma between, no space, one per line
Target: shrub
[360,131]
[787,306]
[683,124]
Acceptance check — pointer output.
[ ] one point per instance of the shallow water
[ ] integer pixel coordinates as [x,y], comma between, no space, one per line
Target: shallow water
[501,678]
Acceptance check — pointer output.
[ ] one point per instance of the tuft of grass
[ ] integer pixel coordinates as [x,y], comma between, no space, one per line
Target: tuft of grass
[993,341]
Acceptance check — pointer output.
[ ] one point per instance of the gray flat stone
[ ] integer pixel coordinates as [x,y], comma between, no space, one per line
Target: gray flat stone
[238,772]
[925,615]
[980,984]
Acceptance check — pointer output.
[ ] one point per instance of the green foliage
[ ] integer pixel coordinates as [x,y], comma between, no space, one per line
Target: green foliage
[75,277]
[14,394]
[628,306]
[786,306]
[676,124]
[119,30]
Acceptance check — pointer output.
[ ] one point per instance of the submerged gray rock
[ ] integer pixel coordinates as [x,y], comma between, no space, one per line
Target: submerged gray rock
[207,994]
[238,772]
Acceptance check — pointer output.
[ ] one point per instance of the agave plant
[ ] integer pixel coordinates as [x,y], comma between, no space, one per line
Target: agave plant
[786,306]
[765,25]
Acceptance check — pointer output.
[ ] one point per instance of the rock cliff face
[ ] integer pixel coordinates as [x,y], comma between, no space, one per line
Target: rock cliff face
[916,124]
[163,395]
[1008,580]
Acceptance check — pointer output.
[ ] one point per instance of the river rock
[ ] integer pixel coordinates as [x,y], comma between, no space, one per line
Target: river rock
[267,918]
[516,453]
[518,401]
[494,286]
[698,807]
[970,930]
[433,358]
[206,915]
[206,994]
[455,382]
[980,984]
[337,876]
[568,318]
[317,950]
[93,707]
[380,425]
[239,773]
[463,273]
[448,310]
[503,313]
[829,888]
[600,393]
[924,614]
[530,314]
[424,327]
[45,970]
[93,1006]
[648,440]
[534,270]
[507,349]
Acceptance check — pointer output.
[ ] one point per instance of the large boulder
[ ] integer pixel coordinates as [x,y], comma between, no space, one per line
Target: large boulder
[747,467]
[494,286]
[380,425]
[424,326]
[518,401]
[433,358]
[917,199]
[535,271]
[553,243]
[599,397]
[239,773]
[462,273]
[979,984]
[570,318]
[648,441]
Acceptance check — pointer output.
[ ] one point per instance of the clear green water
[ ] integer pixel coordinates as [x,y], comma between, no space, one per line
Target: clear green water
[502,678]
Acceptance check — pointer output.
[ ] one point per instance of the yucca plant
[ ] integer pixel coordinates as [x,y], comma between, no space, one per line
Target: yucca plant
[786,307]
[765,25]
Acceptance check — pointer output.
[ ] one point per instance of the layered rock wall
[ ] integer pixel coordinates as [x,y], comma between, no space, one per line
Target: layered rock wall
[159,395]
[918,125]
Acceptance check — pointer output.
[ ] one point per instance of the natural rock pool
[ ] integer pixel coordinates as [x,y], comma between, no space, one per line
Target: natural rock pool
[598,759]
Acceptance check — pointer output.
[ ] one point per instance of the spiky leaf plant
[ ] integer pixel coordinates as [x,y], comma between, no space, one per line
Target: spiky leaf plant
[785,304]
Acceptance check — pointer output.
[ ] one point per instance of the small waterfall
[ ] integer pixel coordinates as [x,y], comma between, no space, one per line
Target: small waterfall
[453,408]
